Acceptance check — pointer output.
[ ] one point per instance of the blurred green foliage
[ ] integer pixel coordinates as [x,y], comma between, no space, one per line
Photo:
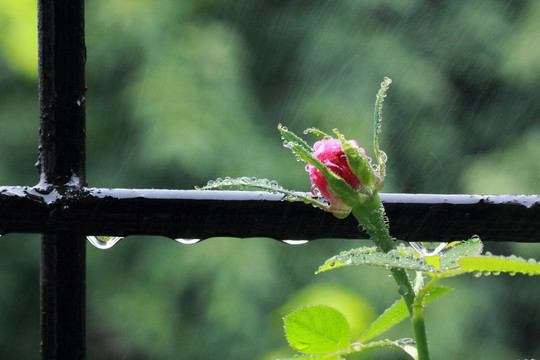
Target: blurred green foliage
[183,92]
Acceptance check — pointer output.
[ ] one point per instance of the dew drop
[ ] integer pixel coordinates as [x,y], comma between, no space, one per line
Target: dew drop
[103,242]
[294,242]
[475,238]
[402,290]
[273,183]
[477,274]
[428,248]
[187,241]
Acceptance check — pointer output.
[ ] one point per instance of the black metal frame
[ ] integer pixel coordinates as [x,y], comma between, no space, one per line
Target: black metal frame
[64,210]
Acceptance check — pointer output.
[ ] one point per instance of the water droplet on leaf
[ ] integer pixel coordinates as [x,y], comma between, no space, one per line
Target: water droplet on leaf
[402,290]
[428,248]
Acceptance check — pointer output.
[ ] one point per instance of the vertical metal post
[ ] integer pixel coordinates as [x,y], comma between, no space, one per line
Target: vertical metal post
[62,57]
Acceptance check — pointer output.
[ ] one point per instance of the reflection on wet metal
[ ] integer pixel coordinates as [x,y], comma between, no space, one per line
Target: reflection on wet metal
[295,242]
[187,241]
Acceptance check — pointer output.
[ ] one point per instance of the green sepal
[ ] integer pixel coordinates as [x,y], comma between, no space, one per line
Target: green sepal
[289,136]
[318,133]
[361,167]
[377,125]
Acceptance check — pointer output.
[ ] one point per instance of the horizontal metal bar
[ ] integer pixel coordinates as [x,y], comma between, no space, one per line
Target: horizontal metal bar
[203,214]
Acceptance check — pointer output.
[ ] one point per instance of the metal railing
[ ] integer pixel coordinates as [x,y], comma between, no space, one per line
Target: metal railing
[64,210]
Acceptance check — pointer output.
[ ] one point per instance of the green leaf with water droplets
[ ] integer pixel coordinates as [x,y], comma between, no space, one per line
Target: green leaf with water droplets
[271,186]
[317,330]
[401,258]
[497,264]
[397,313]
[471,247]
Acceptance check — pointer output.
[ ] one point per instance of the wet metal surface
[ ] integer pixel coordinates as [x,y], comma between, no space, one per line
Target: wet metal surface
[205,214]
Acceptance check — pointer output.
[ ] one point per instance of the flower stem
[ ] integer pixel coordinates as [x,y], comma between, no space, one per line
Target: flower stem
[371,216]
[419,330]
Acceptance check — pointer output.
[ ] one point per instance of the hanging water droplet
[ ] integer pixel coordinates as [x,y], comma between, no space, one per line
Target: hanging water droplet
[477,273]
[103,242]
[402,290]
[187,241]
[406,341]
[428,248]
[294,242]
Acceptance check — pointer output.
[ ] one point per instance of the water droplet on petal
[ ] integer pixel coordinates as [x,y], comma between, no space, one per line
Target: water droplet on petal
[103,242]
[294,242]
[187,241]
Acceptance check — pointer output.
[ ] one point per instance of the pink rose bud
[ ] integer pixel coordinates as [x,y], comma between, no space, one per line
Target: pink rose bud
[331,154]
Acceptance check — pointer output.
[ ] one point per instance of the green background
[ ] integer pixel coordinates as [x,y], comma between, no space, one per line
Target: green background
[183,92]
